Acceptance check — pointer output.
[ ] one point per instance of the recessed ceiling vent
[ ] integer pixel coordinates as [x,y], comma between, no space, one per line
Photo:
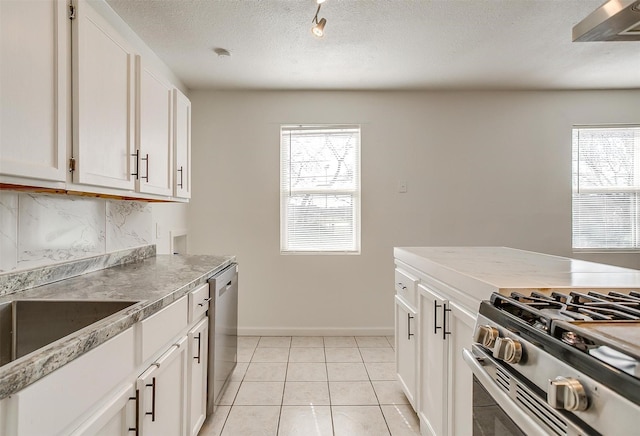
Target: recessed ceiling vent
[616,20]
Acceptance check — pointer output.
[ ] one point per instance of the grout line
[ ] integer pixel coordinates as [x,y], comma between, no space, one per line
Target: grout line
[327,383]
[385,419]
[326,369]
[225,420]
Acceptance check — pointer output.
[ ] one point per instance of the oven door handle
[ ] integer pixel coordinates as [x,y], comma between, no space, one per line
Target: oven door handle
[522,420]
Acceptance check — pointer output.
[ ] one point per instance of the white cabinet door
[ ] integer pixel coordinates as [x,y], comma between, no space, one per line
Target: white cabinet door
[104,81]
[116,417]
[155,142]
[433,362]
[182,144]
[406,348]
[197,376]
[460,392]
[34,77]
[162,390]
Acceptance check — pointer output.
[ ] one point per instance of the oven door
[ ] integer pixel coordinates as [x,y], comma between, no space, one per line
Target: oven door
[488,417]
[504,404]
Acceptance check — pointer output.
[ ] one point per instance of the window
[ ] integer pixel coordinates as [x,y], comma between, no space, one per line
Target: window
[606,188]
[320,189]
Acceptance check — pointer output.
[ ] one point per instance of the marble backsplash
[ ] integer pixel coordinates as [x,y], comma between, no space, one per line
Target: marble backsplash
[38,230]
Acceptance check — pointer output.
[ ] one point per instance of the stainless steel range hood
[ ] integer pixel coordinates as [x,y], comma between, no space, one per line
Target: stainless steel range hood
[616,20]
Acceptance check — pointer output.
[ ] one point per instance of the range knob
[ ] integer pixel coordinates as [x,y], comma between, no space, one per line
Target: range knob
[508,350]
[567,393]
[486,335]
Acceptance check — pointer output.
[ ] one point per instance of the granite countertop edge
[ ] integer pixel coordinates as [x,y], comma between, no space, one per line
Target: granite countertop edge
[16,375]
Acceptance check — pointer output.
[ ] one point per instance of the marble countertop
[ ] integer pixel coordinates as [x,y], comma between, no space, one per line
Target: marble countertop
[483,270]
[155,282]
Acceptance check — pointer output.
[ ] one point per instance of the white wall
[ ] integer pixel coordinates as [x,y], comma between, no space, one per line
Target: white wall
[482,168]
[168,219]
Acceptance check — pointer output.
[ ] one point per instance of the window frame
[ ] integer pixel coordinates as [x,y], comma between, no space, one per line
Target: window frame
[355,194]
[576,190]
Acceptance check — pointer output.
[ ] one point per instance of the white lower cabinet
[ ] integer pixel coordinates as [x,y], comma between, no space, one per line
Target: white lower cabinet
[116,417]
[434,359]
[406,348]
[53,404]
[460,378]
[162,391]
[430,336]
[197,376]
[445,381]
[149,380]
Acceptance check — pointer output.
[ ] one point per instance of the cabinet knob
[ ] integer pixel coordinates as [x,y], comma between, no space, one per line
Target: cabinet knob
[508,350]
[486,336]
[567,393]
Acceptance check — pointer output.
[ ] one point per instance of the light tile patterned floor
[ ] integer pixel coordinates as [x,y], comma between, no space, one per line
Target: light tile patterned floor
[314,386]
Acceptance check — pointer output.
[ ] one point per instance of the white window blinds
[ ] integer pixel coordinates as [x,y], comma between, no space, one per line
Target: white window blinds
[606,188]
[320,189]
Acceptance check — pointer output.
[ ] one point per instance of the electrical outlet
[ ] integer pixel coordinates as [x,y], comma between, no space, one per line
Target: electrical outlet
[402,186]
[158,231]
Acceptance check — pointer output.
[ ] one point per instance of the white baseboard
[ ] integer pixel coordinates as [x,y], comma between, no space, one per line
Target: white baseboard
[318,331]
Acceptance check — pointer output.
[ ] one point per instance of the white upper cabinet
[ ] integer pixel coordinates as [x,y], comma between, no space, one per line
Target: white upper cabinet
[182,144]
[155,141]
[34,75]
[82,110]
[104,80]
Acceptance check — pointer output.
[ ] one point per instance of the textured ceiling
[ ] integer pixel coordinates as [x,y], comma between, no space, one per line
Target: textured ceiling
[376,44]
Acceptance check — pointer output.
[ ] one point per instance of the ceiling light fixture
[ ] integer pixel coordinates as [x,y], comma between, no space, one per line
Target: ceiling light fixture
[318,28]
[222,52]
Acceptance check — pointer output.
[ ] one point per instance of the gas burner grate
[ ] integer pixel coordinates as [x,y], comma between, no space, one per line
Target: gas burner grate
[579,306]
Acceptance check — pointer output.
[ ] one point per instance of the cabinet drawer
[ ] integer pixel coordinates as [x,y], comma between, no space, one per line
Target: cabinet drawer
[406,286]
[161,327]
[198,302]
[54,402]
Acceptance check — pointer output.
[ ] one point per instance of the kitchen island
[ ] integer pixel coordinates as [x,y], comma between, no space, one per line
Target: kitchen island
[156,287]
[438,293]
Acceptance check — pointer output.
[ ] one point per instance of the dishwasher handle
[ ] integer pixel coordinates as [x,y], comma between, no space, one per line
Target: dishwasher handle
[224,280]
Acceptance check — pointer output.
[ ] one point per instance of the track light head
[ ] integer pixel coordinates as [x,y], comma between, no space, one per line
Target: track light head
[318,29]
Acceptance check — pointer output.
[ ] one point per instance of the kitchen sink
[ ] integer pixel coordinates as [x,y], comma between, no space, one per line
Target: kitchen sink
[28,325]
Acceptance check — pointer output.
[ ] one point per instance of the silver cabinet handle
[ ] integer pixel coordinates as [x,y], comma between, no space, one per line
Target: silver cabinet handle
[206,300]
[137,155]
[401,285]
[409,334]
[198,338]
[444,322]
[180,171]
[435,317]
[147,159]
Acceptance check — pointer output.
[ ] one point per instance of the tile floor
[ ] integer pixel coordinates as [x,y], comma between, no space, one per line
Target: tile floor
[305,386]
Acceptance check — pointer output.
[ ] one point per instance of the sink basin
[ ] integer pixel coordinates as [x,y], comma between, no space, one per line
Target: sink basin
[27,325]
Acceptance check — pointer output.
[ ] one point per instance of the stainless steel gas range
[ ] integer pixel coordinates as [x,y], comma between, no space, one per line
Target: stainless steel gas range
[557,363]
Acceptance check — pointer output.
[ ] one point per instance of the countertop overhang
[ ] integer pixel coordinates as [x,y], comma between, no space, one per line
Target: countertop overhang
[483,270]
[154,282]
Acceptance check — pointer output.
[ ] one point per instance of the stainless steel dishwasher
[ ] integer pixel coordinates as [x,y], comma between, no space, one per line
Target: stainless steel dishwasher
[223,333]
